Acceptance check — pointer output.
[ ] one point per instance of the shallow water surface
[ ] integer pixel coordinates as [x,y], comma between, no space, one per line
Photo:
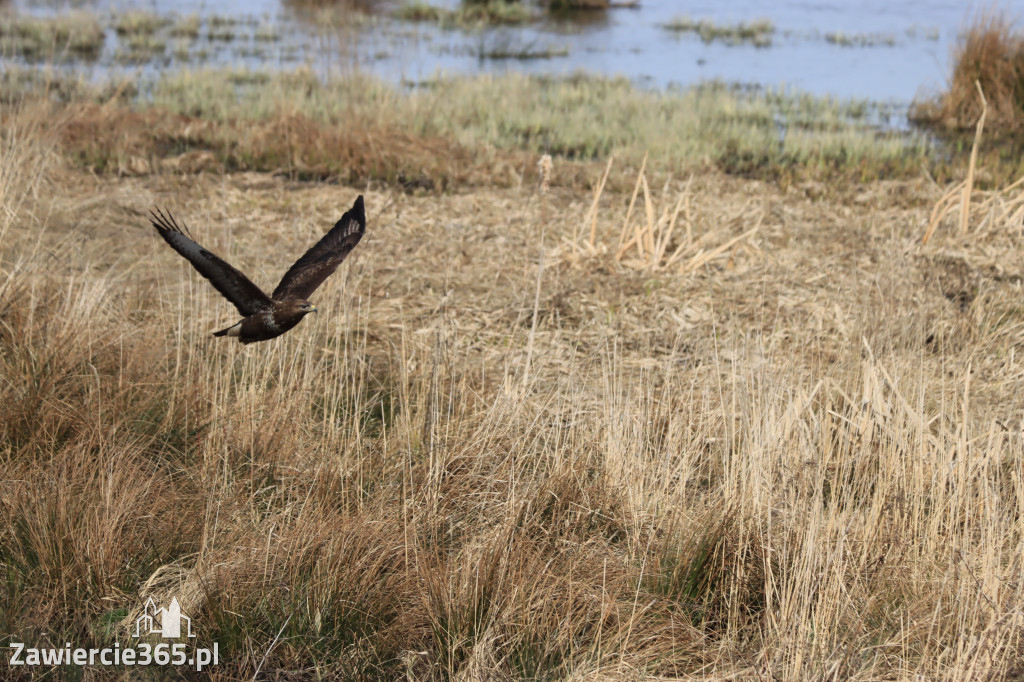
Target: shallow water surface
[887,51]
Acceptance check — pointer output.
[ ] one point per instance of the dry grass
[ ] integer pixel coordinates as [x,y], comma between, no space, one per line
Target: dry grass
[990,51]
[126,142]
[457,132]
[802,461]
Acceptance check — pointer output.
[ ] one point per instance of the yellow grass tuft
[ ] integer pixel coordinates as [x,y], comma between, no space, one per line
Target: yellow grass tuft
[651,243]
[990,52]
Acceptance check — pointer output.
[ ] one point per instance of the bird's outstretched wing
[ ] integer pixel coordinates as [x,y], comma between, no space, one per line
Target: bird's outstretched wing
[319,262]
[236,287]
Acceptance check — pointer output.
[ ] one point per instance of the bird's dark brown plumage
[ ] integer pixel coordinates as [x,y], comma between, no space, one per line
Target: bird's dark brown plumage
[265,317]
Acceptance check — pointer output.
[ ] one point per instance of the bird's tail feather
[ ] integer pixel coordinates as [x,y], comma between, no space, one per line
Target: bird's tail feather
[233,330]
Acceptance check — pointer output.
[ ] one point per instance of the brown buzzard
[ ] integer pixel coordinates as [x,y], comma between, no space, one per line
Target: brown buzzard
[268,316]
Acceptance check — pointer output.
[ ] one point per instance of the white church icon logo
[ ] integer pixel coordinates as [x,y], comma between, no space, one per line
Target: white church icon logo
[164,622]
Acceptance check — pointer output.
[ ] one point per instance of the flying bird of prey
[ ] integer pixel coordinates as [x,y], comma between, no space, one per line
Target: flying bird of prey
[265,317]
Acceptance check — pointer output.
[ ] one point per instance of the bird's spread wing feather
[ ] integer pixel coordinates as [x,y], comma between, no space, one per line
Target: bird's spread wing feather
[319,262]
[236,287]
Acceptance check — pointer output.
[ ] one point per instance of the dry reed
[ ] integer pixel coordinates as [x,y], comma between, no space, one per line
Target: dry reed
[649,244]
[990,52]
[803,466]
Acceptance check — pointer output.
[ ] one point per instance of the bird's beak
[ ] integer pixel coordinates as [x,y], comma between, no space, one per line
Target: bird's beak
[313,309]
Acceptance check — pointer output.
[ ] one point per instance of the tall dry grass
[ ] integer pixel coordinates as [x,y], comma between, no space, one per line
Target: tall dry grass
[990,51]
[754,469]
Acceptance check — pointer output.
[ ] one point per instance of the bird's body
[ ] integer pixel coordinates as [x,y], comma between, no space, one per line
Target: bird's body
[274,321]
[266,317]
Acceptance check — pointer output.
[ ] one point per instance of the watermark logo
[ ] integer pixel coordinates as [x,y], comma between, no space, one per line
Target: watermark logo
[169,619]
[169,623]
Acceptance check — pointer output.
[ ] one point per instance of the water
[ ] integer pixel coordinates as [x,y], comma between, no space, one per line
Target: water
[894,49]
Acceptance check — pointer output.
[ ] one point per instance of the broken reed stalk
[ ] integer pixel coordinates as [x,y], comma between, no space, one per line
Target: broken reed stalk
[545,166]
[943,207]
[629,211]
[651,237]
[1012,210]
[998,207]
[536,309]
[592,213]
[962,191]
[965,207]
[684,198]
[645,237]
[702,258]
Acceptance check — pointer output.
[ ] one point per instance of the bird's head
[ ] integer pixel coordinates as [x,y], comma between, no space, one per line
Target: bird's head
[304,307]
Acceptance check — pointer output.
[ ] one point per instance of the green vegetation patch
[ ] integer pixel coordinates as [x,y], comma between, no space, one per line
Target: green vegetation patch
[758,32]
[264,120]
[72,35]
[860,39]
[475,13]
[140,47]
[572,5]
[139,23]
[187,27]
[504,48]
[468,14]
[578,118]
[266,33]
